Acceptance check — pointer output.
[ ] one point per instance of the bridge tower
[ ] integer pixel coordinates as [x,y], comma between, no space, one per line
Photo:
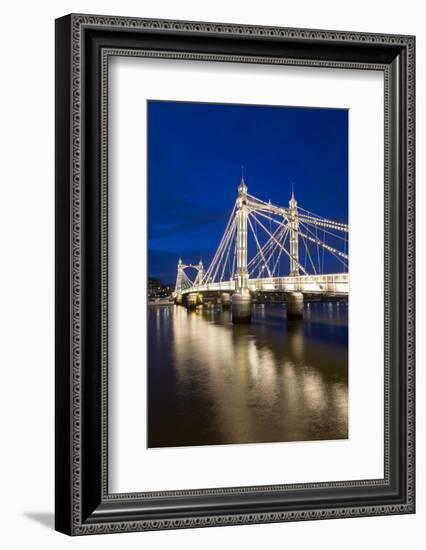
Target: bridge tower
[200,273]
[294,299]
[294,236]
[178,286]
[241,299]
[198,281]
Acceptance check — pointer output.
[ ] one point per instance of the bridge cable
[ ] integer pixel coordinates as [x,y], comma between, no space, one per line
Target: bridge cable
[258,245]
[330,249]
[288,254]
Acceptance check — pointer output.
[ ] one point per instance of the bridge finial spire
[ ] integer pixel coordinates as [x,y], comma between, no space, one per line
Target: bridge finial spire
[242,188]
[293,202]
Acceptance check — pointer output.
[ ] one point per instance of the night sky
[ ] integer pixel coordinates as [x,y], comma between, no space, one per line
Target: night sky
[195,154]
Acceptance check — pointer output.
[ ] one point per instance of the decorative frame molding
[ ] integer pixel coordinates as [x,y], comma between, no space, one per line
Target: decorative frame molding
[84,44]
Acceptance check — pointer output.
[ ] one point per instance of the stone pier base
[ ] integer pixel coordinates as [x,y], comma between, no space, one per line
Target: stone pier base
[295,305]
[241,308]
[191,301]
[225,300]
[199,299]
[178,299]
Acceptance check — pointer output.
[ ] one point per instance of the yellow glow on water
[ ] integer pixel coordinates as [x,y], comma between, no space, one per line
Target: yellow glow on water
[227,383]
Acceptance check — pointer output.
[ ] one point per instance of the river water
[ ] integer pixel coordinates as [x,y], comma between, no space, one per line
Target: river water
[211,382]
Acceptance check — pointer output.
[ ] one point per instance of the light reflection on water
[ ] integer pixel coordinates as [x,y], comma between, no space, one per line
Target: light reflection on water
[211,382]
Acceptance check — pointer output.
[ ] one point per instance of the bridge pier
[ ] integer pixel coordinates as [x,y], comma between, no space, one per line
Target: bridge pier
[178,299]
[241,307]
[191,300]
[225,300]
[295,305]
[199,299]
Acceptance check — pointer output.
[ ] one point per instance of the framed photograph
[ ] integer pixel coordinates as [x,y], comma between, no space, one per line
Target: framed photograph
[234,274]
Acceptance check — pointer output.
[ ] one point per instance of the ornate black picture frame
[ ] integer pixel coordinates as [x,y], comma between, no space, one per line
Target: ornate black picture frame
[83,45]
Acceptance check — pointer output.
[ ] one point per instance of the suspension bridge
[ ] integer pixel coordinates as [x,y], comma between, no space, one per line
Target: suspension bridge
[269,248]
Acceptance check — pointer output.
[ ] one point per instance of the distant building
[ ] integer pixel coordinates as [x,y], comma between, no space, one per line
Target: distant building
[156,289]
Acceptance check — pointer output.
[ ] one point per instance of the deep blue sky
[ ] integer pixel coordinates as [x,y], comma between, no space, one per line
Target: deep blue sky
[195,153]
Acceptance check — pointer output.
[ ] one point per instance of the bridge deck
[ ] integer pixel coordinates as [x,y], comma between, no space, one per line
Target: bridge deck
[337,283]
